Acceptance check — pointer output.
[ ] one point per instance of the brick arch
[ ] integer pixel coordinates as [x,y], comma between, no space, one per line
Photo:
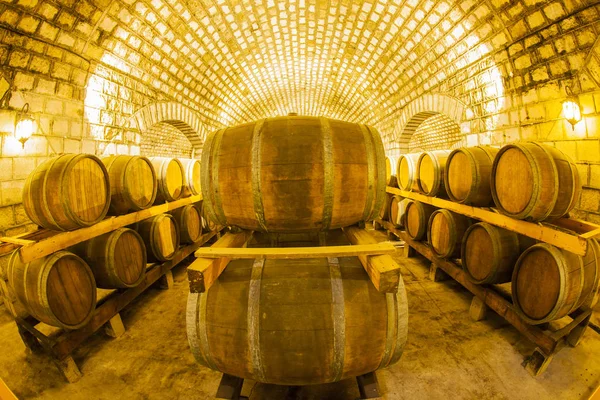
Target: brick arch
[175,114]
[418,110]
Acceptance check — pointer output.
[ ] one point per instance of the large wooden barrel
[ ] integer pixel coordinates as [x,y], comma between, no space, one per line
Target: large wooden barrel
[170,175]
[469,170]
[161,236]
[524,181]
[132,183]
[489,253]
[445,232]
[549,283]
[431,168]
[293,174]
[189,222]
[67,192]
[390,171]
[296,322]
[117,258]
[569,184]
[397,211]
[58,289]
[406,172]
[416,219]
[191,177]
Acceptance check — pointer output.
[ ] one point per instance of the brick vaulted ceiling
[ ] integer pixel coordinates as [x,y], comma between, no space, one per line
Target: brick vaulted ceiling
[236,61]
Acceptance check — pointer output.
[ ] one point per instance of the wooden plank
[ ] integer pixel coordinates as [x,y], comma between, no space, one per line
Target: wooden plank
[382,269]
[203,272]
[70,340]
[63,240]
[296,252]
[492,299]
[6,248]
[5,392]
[568,241]
[14,240]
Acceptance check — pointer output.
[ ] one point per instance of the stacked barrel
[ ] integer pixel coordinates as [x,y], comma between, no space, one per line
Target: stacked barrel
[73,191]
[528,181]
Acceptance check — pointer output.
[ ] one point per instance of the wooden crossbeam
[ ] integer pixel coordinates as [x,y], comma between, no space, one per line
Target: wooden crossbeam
[382,269]
[62,240]
[5,392]
[17,241]
[573,242]
[203,272]
[296,252]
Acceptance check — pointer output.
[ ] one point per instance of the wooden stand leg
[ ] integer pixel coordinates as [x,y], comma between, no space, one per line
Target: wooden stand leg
[166,281]
[576,334]
[322,238]
[537,363]
[436,274]
[368,386]
[478,309]
[409,252]
[29,340]
[115,328]
[230,388]
[69,369]
[377,226]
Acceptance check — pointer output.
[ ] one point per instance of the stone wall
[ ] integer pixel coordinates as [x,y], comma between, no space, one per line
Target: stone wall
[436,132]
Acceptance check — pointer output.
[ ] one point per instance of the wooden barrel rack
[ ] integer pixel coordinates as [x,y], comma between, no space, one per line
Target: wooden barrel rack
[548,342]
[58,344]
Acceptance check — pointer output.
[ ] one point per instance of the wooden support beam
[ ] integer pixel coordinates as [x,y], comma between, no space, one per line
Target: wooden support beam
[203,272]
[5,392]
[62,240]
[114,327]
[17,241]
[296,252]
[573,242]
[382,269]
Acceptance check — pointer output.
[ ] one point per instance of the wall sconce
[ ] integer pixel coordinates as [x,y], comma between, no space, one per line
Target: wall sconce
[24,126]
[571,108]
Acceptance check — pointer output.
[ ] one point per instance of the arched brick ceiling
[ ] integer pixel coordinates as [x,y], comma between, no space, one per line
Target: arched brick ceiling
[235,61]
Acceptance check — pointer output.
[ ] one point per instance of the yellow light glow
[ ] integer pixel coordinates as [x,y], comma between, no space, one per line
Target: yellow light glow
[572,112]
[24,129]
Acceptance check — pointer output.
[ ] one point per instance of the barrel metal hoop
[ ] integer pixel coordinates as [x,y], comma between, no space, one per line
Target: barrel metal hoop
[218,205]
[259,210]
[371,168]
[380,163]
[196,328]
[254,318]
[391,324]
[205,177]
[339,318]
[44,201]
[328,171]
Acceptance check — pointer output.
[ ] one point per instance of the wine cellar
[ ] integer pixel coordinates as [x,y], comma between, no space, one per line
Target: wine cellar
[262,200]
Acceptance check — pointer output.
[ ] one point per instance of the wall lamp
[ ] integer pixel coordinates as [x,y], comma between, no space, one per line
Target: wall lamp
[571,108]
[24,125]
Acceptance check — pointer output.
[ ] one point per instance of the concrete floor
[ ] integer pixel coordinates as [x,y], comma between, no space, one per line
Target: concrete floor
[447,356]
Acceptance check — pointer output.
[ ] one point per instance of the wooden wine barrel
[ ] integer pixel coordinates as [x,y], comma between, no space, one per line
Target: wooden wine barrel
[469,170]
[132,183]
[170,175]
[384,214]
[445,232]
[549,283]
[398,210]
[416,219]
[431,169]
[569,184]
[390,171]
[67,192]
[208,225]
[192,177]
[58,289]
[293,174]
[593,253]
[189,222]
[117,258]
[296,322]
[524,181]
[406,172]
[161,236]
[489,253]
